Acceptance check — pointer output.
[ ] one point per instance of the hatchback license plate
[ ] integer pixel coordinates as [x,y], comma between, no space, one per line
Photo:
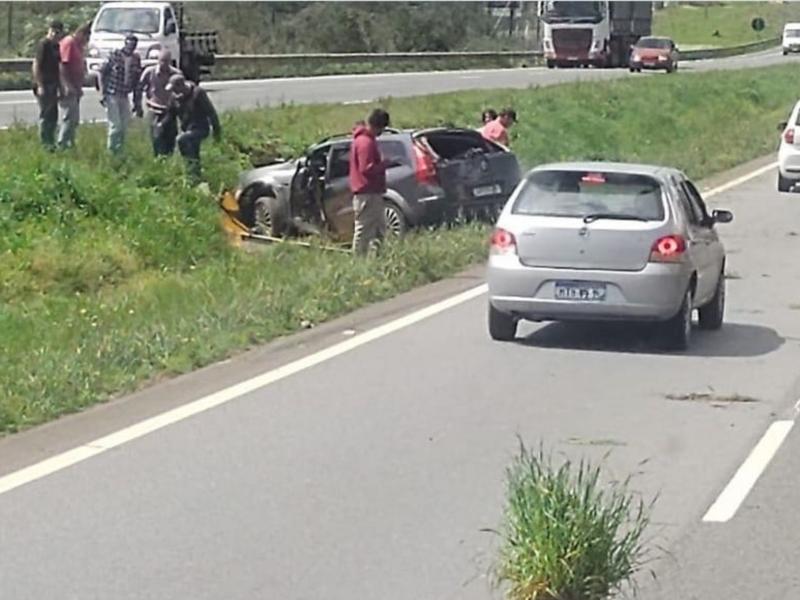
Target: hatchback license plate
[486,190]
[583,292]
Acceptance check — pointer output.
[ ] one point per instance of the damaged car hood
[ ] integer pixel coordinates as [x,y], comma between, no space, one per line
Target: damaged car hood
[278,173]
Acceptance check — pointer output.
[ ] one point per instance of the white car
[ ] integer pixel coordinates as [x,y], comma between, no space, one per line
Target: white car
[789,152]
[791,38]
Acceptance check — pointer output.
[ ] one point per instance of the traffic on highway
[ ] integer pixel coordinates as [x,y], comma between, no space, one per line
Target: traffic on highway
[517,378]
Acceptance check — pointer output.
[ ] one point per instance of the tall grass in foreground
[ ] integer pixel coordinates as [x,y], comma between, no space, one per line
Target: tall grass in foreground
[566,535]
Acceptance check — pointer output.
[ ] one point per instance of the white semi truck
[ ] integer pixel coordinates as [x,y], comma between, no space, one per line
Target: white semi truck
[592,33]
[159,26]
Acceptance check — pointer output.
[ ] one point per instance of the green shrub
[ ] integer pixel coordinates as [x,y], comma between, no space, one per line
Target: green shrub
[566,535]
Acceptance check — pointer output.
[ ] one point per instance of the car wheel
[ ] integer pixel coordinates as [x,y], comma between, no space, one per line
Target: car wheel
[502,327]
[784,184]
[712,314]
[396,224]
[631,69]
[269,216]
[677,332]
[785,53]
[551,64]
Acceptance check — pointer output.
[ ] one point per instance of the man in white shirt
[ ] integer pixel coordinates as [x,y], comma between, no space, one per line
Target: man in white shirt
[160,104]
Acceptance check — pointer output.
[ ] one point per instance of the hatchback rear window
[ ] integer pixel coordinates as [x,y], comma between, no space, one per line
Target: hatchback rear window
[581,193]
[792,33]
[653,43]
[451,145]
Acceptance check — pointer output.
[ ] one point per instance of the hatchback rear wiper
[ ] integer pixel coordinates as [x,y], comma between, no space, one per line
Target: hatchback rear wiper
[614,216]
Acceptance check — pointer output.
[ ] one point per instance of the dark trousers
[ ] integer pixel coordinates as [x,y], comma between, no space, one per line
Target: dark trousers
[189,145]
[163,131]
[48,114]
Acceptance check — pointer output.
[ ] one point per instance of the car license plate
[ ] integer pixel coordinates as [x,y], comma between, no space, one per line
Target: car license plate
[582,292]
[486,190]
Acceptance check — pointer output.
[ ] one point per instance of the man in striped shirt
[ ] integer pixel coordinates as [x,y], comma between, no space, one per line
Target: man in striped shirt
[119,78]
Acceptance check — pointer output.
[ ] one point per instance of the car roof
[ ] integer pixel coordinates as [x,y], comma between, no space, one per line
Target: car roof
[656,171]
[394,133]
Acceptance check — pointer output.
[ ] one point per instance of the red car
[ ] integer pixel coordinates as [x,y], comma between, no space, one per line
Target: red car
[654,53]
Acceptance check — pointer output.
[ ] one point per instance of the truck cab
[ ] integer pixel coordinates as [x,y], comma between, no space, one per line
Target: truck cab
[154,23]
[592,33]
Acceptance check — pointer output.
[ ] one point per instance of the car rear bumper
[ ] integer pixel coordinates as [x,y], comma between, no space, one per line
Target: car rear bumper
[789,163]
[655,66]
[652,294]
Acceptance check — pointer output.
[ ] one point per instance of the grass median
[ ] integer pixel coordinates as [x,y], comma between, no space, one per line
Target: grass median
[115,272]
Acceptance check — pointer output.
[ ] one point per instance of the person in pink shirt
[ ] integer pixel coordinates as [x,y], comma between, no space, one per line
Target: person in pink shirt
[497,130]
[73,69]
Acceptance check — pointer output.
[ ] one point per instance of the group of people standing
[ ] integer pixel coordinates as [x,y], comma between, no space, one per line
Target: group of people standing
[495,126]
[172,102]
[368,171]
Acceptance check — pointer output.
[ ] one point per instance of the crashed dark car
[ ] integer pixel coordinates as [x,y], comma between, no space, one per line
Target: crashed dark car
[435,175]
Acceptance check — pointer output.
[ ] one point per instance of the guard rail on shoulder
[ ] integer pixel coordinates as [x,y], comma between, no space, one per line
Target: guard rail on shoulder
[23,65]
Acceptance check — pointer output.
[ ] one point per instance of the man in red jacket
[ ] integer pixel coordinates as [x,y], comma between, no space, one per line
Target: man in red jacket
[368,182]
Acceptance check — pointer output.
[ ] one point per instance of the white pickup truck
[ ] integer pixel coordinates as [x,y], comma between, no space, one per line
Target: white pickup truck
[159,26]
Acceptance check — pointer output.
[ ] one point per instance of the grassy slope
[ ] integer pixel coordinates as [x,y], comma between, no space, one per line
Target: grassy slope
[695,25]
[112,273]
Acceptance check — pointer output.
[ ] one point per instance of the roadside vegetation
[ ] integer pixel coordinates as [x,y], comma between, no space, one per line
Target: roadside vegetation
[113,272]
[567,534]
[722,24]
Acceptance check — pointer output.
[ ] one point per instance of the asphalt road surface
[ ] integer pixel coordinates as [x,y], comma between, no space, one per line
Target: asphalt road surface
[20,106]
[371,473]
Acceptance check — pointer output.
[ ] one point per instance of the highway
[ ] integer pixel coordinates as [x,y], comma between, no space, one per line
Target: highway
[20,106]
[367,459]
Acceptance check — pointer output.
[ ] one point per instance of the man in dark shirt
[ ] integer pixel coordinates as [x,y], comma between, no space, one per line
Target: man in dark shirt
[198,118]
[47,82]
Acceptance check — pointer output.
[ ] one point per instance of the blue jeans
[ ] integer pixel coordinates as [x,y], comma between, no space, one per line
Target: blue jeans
[189,145]
[118,110]
[48,114]
[70,119]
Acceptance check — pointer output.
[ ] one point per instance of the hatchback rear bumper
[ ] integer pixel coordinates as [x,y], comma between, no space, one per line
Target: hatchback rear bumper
[651,65]
[653,294]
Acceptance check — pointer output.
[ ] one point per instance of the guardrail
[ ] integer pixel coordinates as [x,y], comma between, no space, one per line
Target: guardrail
[223,61]
[730,50]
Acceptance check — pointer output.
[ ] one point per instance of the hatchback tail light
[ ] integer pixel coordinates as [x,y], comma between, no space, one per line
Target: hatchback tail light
[425,166]
[669,248]
[502,242]
[788,135]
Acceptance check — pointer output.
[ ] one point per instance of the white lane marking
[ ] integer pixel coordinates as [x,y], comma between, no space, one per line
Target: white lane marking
[740,180]
[349,102]
[142,428]
[4,102]
[480,72]
[745,478]
[81,453]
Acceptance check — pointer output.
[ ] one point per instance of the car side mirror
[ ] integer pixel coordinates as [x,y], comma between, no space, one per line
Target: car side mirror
[782,125]
[722,216]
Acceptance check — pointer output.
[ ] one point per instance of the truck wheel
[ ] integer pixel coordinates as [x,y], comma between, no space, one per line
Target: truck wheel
[551,64]
[190,67]
[270,216]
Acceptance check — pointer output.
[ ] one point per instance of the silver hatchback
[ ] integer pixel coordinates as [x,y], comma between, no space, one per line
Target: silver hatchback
[607,241]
